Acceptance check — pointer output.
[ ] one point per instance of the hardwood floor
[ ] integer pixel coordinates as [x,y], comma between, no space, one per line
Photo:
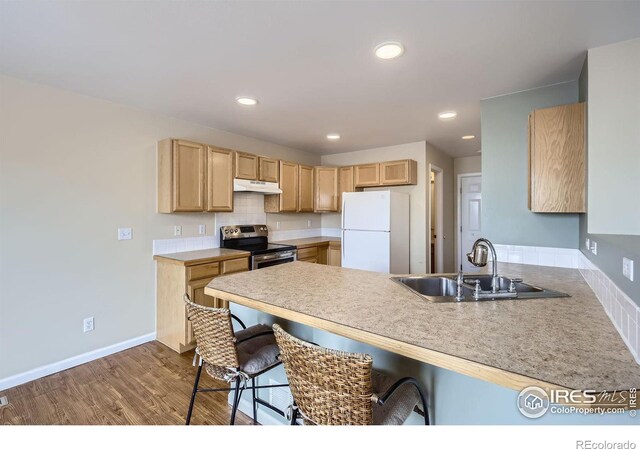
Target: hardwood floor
[148,384]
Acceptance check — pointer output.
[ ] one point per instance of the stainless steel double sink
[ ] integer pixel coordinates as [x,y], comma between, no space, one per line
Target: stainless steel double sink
[443,288]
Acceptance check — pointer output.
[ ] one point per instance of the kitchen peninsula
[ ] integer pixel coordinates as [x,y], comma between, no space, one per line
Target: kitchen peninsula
[551,343]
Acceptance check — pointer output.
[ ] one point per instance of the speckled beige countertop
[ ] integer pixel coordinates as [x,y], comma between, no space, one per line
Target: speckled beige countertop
[309,241]
[201,256]
[566,342]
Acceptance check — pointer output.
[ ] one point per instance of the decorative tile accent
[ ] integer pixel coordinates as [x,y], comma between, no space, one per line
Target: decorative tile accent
[623,312]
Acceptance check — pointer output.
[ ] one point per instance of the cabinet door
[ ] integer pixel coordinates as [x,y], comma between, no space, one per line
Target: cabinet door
[326,189]
[268,169]
[246,166]
[305,188]
[289,185]
[367,175]
[195,289]
[335,255]
[219,180]
[557,159]
[188,176]
[396,173]
[345,183]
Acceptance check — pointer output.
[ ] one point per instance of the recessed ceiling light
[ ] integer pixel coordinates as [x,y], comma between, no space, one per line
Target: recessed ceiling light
[469,137]
[333,136]
[389,50]
[447,115]
[247,101]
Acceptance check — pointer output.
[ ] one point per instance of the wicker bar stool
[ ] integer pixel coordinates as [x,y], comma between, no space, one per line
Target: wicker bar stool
[332,387]
[230,356]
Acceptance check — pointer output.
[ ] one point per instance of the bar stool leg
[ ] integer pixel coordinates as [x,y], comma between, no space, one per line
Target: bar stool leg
[236,401]
[193,394]
[255,404]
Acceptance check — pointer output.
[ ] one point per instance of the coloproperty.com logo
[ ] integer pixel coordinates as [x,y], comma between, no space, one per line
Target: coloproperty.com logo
[534,402]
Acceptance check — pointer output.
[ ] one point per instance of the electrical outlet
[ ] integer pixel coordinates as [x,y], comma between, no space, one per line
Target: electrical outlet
[308,223]
[627,268]
[88,324]
[277,225]
[587,243]
[177,230]
[594,248]
[202,229]
[125,234]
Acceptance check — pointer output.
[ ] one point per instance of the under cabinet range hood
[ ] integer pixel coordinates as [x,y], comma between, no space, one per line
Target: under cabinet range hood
[247,185]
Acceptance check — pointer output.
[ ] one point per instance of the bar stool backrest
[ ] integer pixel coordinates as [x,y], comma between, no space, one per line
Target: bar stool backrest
[329,387]
[214,334]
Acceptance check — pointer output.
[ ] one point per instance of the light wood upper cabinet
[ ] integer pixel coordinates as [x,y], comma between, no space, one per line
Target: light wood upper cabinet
[181,176]
[287,201]
[219,179]
[345,183]
[367,175]
[397,173]
[557,159]
[246,166]
[305,188]
[326,189]
[268,169]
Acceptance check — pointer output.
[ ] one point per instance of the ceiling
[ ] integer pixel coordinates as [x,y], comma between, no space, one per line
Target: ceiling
[310,64]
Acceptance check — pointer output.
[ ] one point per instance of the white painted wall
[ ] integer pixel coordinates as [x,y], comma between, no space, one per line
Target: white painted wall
[74,169]
[614,138]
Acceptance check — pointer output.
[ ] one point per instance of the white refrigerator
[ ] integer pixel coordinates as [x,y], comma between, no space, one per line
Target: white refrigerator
[375,231]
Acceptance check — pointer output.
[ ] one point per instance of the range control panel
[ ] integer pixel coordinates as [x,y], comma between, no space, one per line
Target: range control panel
[243,231]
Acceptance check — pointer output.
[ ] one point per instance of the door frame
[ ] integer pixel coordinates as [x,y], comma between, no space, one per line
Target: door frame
[459,215]
[439,224]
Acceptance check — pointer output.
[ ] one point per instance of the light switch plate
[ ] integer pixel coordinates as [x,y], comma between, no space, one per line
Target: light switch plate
[594,248]
[177,231]
[587,243]
[627,268]
[125,234]
[202,229]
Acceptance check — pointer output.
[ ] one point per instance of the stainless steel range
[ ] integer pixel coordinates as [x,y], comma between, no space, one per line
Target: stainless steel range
[255,239]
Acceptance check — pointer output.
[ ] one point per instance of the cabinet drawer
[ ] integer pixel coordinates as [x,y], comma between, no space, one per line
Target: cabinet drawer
[235,265]
[307,253]
[206,270]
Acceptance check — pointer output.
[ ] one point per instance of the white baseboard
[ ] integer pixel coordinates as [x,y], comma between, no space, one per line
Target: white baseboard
[56,367]
[264,418]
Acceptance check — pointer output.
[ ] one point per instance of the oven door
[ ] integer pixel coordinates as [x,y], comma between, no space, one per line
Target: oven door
[271,259]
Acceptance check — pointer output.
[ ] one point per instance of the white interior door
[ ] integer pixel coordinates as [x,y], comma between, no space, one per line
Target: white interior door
[470,221]
[366,250]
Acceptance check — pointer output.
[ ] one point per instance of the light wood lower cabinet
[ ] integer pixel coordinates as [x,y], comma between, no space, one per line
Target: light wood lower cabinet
[334,254]
[557,161]
[326,253]
[173,281]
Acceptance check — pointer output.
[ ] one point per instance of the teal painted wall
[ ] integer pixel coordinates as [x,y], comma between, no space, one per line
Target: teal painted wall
[506,218]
